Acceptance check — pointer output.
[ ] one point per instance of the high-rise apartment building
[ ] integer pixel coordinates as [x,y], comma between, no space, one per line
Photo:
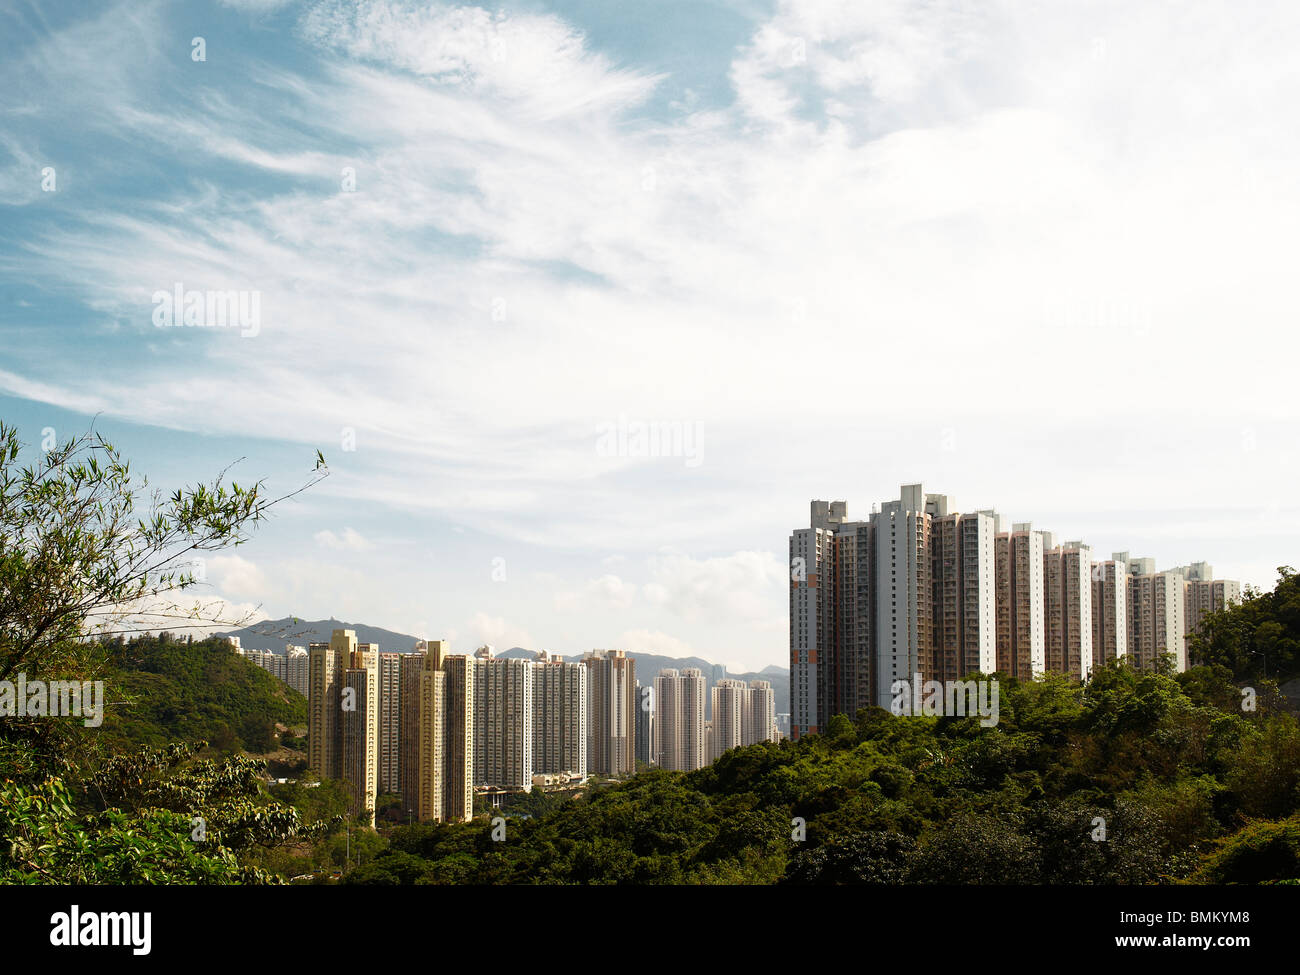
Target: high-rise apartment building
[1021,626]
[964,594]
[1067,585]
[297,669]
[760,713]
[438,753]
[611,684]
[730,709]
[343,715]
[1157,602]
[904,594]
[431,759]
[920,590]
[323,703]
[560,722]
[410,668]
[680,741]
[390,722]
[459,695]
[360,731]
[644,723]
[913,590]
[850,678]
[1205,594]
[1110,627]
[812,621]
[503,721]
[292,667]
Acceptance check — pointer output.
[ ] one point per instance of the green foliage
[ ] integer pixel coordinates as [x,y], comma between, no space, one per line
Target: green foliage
[88,554]
[161,816]
[1259,638]
[1257,853]
[172,690]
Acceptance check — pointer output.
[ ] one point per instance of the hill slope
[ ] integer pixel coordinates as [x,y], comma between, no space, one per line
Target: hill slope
[163,689]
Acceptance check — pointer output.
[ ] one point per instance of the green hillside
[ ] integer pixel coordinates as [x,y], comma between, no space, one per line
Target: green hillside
[164,688]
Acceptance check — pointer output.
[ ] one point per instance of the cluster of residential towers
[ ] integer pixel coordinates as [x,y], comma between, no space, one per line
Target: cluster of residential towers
[435,727]
[918,588]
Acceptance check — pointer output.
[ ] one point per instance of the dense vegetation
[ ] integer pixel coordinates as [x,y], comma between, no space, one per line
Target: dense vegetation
[1259,638]
[166,689]
[1178,779]
[86,548]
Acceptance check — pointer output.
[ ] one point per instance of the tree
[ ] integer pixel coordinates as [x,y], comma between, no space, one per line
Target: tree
[159,816]
[83,548]
[1258,638]
[873,857]
[87,553]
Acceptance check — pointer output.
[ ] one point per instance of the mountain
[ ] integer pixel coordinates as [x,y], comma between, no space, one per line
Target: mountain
[274,634]
[648,666]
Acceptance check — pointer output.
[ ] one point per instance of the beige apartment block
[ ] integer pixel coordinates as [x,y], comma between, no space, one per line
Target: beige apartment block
[408,776]
[560,716]
[1021,633]
[729,704]
[1110,609]
[904,643]
[359,704]
[1156,619]
[611,684]
[679,720]
[964,594]
[1204,594]
[343,715]
[1067,586]
[503,721]
[458,738]
[390,722]
[760,713]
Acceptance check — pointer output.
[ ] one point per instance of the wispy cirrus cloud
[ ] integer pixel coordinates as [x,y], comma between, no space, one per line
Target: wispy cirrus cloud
[914,240]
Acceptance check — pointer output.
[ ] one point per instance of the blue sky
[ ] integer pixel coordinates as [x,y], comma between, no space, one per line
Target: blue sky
[1037,259]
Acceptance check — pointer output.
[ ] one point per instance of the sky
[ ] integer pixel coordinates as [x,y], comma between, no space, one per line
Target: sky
[1037,257]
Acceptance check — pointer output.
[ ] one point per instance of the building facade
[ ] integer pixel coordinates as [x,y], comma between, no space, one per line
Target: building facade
[611,683]
[343,715]
[680,734]
[560,723]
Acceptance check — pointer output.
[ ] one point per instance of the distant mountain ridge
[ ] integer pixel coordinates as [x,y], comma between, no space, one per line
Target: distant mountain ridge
[274,634]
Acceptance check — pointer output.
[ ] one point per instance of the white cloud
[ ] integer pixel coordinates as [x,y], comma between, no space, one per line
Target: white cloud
[236,576]
[348,540]
[535,61]
[745,587]
[958,244]
[483,628]
[606,592]
[654,641]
